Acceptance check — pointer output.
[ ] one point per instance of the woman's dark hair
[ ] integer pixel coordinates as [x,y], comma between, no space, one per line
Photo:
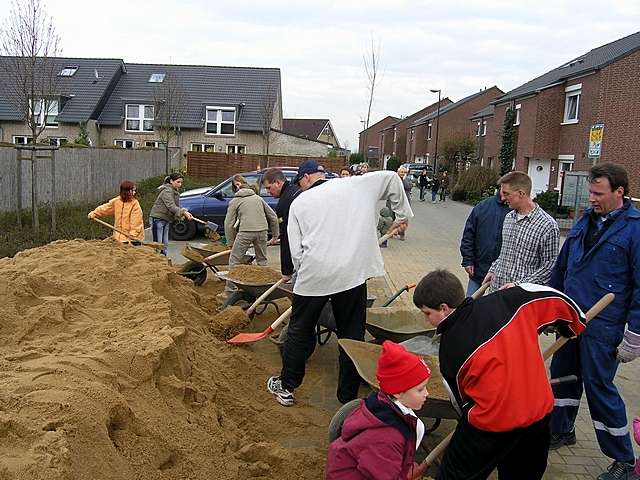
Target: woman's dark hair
[438,287]
[127,191]
[172,177]
[616,174]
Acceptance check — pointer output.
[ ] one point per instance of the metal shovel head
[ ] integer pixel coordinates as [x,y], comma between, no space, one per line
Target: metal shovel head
[250,337]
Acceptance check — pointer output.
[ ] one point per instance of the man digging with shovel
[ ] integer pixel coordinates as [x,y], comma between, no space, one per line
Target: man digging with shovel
[334,248]
[491,364]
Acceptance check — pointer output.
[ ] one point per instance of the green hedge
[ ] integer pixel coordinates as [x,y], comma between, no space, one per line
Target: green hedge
[475,184]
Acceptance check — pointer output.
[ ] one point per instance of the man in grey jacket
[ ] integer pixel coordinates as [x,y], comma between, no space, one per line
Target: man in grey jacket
[246,224]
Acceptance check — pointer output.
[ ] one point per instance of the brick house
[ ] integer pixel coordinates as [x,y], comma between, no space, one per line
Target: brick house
[555,113]
[485,132]
[452,121]
[370,139]
[395,135]
[223,109]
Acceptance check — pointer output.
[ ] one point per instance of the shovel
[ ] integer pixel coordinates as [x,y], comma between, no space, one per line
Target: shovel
[406,288]
[254,337]
[209,225]
[215,255]
[156,245]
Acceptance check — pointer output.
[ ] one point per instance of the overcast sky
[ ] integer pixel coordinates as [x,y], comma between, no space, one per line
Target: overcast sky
[458,46]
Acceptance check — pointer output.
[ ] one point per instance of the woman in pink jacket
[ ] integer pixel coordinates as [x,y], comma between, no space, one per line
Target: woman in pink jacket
[379,438]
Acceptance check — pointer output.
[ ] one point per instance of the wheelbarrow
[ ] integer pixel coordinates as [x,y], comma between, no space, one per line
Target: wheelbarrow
[364,356]
[196,254]
[249,291]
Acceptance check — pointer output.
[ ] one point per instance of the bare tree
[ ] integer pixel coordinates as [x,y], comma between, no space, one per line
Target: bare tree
[371,61]
[29,40]
[169,99]
[267,114]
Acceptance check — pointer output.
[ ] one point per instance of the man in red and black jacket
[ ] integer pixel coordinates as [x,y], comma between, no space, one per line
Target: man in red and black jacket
[492,366]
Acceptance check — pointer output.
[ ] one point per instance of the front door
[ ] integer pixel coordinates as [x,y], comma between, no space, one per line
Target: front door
[539,171]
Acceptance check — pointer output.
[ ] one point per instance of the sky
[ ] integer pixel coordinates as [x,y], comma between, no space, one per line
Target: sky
[457,46]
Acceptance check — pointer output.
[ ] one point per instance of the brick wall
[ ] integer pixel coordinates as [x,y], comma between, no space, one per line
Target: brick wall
[371,137]
[221,165]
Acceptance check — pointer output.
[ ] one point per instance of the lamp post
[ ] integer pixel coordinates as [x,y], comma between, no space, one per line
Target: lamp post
[435,154]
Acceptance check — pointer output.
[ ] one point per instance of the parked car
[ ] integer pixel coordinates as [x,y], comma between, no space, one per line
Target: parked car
[415,169]
[211,203]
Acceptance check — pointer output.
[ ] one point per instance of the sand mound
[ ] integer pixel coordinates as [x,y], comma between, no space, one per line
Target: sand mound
[109,371]
[229,322]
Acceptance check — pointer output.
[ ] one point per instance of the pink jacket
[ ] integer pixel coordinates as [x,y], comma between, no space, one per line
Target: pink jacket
[377,442]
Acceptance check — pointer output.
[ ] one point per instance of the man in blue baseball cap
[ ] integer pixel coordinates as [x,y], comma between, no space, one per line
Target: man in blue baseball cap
[309,172]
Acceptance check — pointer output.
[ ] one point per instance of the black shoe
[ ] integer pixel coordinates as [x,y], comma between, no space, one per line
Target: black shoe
[619,471]
[560,439]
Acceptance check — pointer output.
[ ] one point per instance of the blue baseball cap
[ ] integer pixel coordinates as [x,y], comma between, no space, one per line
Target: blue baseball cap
[307,168]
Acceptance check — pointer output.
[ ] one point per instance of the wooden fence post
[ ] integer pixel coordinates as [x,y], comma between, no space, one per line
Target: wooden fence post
[19,187]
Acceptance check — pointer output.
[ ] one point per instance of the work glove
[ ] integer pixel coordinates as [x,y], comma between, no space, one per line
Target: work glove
[629,349]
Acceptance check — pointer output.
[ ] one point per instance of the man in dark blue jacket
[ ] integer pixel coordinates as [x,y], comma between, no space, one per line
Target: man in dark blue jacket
[482,239]
[279,187]
[601,254]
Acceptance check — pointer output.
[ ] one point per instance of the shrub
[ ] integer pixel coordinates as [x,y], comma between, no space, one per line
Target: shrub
[474,184]
[548,201]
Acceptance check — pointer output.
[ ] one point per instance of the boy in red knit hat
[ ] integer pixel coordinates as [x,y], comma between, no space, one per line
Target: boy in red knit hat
[379,438]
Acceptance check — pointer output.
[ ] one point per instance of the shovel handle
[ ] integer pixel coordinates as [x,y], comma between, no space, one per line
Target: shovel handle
[113,228]
[215,255]
[478,293]
[286,314]
[259,300]
[438,449]
[591,313]
[387,235]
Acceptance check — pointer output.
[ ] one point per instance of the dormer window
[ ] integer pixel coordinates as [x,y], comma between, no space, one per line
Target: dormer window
[220,121]
[68,71]
[157,78]
[139,118]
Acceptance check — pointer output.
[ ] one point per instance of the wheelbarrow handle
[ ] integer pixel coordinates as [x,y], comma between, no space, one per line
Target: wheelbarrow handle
[215,255]
[259,300]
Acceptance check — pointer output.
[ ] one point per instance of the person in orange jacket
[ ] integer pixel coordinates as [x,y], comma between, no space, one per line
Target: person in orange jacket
[126,213]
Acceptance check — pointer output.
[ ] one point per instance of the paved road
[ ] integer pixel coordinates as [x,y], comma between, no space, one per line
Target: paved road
[432,241]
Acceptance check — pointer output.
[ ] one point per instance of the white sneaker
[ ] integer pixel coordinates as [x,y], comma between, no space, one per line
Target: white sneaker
[283,396]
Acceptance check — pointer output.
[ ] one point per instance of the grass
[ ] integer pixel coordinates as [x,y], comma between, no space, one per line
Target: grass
[71,219]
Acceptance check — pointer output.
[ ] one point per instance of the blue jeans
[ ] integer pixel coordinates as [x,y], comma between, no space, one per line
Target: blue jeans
[472,286]
[160,232]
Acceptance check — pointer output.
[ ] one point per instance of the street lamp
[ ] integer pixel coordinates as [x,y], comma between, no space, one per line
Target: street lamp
[435,155]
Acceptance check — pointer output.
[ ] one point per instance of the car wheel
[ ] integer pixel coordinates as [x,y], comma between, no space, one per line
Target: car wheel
[183,230]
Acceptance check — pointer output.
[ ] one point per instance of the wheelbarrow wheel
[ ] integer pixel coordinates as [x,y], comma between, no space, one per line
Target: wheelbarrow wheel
[335,426]
[200,278]
[234,298]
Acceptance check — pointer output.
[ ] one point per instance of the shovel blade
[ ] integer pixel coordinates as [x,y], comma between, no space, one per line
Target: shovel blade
[250,337]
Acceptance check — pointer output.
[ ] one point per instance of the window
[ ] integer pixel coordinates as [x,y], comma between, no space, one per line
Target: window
[123,143]
[68,71]
[484,128]
[395,134]
[429,131]
[139,118]
[57,141]
[236,149]
[220,121]
[22,140]
[565,164]
[517,120]
[203,147]
[412,133]
[156,78]
[48,118]
[153,144]
[478,128]
[572,103]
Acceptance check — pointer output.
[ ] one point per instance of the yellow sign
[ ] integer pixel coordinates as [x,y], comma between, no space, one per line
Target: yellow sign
[595,140]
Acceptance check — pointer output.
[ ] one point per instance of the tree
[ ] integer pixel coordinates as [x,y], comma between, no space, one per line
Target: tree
[457,153]
[83,135]
[356,158]
[267,114]
[371,67]
[509,138]
[169,100]
[30,41]
[393,163]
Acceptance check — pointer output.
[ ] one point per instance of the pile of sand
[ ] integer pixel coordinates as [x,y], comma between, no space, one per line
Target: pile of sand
[254,274]
[109,371]
[229,322]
